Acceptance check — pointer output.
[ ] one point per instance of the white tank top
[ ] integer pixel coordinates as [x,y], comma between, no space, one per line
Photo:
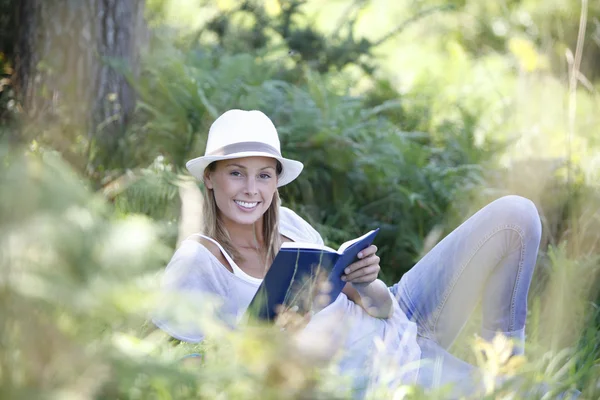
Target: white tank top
[196,274]
[236,270]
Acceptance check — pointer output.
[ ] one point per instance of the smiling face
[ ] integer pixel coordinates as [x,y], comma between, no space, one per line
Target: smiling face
[243,187]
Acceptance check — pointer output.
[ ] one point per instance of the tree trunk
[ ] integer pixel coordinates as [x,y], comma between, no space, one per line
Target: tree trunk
[114,98]
[71,57]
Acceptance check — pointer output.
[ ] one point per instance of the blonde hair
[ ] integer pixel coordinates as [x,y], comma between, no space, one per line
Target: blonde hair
[214,228]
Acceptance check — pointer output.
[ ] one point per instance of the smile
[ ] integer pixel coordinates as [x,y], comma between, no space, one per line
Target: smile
[246,205]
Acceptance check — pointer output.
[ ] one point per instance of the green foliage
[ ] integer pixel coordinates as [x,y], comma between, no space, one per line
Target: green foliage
[63,268]
[80,249]
[564,302]
[361,169]
[546,28]
[78,281]
[8,105]
[254,26]
[7,25]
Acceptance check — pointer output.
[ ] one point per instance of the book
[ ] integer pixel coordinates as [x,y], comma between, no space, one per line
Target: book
[303,274]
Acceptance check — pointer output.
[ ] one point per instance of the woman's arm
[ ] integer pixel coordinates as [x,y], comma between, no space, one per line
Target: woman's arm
[186,291]
[373,297]
[365,289]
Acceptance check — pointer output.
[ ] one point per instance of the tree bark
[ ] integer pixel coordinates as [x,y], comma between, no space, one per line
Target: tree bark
[114,98]
[71,61]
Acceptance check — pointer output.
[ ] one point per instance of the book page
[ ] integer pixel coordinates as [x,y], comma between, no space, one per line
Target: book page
[301,245]
[349,243]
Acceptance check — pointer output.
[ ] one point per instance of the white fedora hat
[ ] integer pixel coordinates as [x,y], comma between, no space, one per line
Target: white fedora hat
[239,133]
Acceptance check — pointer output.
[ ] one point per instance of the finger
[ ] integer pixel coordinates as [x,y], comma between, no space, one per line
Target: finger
[371,269]
[373,259]
[372,249]
[365,278]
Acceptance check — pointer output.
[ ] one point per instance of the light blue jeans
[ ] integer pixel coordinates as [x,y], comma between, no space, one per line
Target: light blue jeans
[490,258]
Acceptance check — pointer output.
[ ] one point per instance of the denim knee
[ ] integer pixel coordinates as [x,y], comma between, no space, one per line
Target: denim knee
[520,212]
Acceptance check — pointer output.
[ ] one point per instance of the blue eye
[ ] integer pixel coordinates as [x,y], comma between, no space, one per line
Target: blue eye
[265,176]
[235,173]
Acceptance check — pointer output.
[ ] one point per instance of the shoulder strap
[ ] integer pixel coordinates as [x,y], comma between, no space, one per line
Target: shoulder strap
[236,270]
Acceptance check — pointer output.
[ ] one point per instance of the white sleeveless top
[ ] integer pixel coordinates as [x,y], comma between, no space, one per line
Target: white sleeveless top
[195,278]
[237,271]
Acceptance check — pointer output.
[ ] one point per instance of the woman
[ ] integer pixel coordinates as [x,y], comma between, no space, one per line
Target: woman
[491,256]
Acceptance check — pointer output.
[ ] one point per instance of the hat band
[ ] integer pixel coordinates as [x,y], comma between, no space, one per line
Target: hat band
[243,147]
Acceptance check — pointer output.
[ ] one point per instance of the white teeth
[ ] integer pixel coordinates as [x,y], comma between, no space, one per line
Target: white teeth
[245,204]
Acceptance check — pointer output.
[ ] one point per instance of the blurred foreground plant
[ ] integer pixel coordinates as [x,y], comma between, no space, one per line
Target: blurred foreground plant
[77,284]
[78,281]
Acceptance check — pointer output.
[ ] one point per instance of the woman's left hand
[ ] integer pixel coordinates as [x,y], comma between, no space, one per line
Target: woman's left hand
[366,269]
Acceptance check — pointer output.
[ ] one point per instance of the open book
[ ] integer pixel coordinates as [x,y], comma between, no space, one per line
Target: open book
[306,275]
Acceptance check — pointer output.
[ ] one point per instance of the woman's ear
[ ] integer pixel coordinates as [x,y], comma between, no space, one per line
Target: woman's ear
[207,181]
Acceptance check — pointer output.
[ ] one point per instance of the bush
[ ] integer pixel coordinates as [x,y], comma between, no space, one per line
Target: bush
[361,169]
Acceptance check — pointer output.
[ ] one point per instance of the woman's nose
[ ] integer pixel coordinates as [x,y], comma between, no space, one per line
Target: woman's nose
[251,185]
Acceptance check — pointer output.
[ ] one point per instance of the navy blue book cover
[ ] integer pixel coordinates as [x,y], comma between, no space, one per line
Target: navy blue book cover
[300,272]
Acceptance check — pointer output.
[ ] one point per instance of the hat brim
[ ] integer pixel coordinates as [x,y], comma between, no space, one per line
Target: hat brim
[291,169]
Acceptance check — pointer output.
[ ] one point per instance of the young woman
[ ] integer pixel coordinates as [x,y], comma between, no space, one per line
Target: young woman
[490,257]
